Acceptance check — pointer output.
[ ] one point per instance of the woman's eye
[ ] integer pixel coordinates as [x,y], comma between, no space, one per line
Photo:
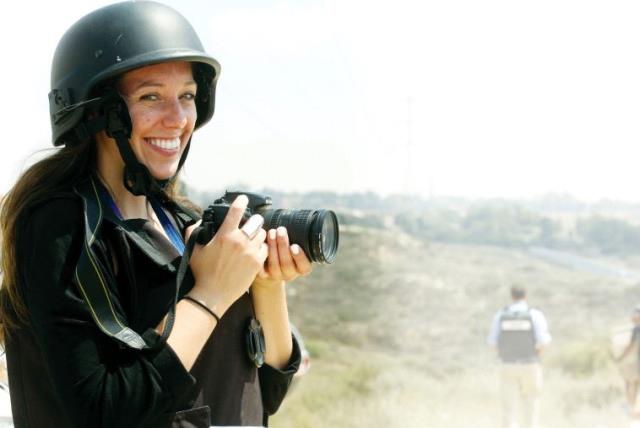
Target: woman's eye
[189,96]
[150,97]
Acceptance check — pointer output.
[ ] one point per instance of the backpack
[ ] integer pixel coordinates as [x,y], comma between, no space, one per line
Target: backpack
[516,337]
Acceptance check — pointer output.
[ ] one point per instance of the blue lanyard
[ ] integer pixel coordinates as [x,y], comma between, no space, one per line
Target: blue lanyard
[167,225]
[112,204]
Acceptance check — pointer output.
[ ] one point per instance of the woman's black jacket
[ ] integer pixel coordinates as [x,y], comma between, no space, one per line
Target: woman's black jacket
[65,372]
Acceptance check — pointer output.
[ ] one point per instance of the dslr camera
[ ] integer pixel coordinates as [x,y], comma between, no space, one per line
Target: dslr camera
[315,231]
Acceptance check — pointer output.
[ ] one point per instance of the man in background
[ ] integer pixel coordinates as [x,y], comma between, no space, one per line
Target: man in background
[630,370]
[520,333]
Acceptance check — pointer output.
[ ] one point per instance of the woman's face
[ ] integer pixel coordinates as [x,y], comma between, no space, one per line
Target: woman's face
[161,102]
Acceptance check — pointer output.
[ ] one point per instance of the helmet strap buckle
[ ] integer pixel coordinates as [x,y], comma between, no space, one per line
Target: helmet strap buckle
[81,131]
[117,115]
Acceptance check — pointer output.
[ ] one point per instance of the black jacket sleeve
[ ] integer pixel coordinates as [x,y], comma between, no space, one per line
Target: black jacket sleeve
[100,382]
[274,383]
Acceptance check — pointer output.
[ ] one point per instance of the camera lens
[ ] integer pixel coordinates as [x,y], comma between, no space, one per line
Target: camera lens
[315,231]
[325,229]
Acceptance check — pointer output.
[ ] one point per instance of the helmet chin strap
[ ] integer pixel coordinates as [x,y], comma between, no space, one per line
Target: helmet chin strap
[137,178]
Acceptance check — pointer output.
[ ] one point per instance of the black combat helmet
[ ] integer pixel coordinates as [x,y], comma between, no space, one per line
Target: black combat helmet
[116,39]
[102,46]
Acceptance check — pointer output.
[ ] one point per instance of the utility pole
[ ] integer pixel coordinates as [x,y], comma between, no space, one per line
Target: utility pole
[408,174]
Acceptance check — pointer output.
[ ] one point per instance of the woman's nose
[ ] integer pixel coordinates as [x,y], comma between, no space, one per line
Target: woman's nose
[175,115]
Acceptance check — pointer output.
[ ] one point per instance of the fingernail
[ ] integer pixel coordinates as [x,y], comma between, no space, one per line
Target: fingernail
[295,249]
[255,221]
[282,231]
[272,234]
[241,199]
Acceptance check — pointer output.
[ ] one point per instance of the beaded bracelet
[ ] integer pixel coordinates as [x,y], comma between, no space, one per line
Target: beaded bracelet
[203,306]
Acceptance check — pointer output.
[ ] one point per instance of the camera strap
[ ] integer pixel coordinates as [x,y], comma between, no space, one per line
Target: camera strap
[91,281]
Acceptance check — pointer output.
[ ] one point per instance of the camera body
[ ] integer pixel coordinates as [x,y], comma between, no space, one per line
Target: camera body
[215,213]
[315,231]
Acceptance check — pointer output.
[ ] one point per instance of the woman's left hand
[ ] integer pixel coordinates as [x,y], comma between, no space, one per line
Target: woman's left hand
[285,262]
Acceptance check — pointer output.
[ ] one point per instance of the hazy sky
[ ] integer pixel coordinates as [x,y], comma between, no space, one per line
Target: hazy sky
[475,98]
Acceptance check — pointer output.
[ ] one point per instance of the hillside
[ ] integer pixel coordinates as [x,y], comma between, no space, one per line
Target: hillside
[396,328]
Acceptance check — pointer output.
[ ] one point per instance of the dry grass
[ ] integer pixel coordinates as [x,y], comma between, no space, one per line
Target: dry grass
[396,394]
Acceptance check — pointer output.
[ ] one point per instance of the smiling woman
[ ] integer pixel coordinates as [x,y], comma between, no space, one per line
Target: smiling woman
[111,315]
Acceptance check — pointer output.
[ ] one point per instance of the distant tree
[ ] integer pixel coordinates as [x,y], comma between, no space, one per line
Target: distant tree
[370,220]
[550,233]
[609,235]
[437,225]
[505,224]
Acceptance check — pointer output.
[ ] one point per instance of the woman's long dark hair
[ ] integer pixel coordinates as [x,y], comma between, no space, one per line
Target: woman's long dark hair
[64,168]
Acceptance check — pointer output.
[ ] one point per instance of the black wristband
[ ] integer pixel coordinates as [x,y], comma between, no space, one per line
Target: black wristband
[203,306]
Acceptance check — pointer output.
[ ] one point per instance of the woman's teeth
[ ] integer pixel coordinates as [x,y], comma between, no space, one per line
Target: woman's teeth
[172,144]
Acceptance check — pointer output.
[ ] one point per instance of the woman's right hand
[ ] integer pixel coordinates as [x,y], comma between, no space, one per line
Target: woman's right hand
[226,266]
